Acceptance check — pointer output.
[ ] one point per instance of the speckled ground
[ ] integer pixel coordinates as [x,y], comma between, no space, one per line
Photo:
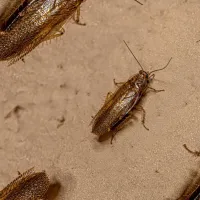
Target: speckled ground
[64,82]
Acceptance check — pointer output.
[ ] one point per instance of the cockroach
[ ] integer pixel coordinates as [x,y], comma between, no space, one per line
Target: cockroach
[27,23]
[29,185]
[195,153]
[119,107]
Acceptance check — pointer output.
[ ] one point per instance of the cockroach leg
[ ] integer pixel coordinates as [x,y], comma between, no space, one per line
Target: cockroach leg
[153,90]
[140,108]
[19,173]
[139,2]
[55,35]
[76,17]
[118,84]
[195,153]
[60,32]
[23,60]
[112,137]
[108,96]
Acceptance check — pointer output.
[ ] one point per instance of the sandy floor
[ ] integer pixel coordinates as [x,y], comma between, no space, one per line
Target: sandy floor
[68,78]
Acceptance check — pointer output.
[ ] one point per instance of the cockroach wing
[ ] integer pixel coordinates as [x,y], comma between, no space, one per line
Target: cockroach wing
[28,186]
[11,186]
[10,8]
[113,99]
[127,104]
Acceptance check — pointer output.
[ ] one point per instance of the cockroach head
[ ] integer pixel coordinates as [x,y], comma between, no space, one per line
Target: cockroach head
[143,74]
[146,76]
[141,80]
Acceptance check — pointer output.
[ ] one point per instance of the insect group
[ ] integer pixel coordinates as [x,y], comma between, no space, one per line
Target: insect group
[25,24]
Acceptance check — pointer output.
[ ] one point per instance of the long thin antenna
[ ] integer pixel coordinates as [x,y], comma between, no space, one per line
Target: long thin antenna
[139,2]
[162,68]
[133,55]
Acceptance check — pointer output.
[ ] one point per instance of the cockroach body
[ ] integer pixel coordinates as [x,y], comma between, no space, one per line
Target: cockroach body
[119,106]
[27,23]
[27,186]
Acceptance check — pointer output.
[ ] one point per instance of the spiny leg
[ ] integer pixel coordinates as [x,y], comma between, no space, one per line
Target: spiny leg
[140,108]
[153,90]
[60,32]
[23,60]
[108,96]
[55,35]
[19,173]
[118,84]
[76,17]
[195,153]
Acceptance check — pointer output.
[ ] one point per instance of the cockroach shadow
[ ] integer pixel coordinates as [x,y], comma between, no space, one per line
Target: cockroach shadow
[53,190]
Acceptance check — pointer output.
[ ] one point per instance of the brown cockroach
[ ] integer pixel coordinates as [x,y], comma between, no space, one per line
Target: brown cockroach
[27,23]
[29,185]
[119,106]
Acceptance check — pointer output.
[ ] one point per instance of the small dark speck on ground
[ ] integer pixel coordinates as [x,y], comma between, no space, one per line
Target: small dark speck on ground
[61,121]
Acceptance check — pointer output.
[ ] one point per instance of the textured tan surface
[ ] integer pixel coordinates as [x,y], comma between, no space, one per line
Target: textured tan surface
[71,76]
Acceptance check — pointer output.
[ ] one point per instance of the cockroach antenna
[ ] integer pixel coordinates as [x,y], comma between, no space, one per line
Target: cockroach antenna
[133,55]
[162,67]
